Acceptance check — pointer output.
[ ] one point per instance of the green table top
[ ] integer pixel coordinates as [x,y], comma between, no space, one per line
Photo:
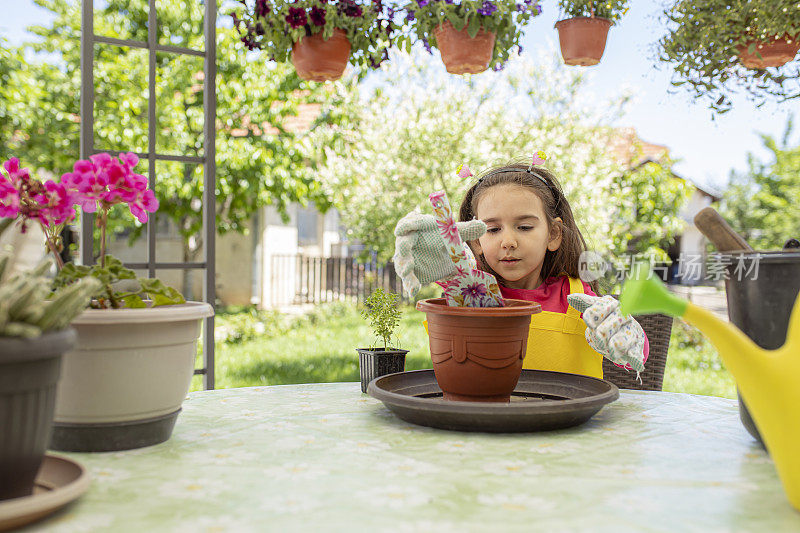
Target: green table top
[325,457]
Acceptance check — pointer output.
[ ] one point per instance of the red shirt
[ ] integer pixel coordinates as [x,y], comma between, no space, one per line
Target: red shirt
[552,294]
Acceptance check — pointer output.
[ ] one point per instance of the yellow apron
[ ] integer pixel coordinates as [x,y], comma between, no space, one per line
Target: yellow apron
[556,342]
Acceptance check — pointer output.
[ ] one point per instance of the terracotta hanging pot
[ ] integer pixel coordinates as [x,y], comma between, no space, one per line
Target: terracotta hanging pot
[462,54]
[316,59]
[774,53]
[583,39]
[477,352]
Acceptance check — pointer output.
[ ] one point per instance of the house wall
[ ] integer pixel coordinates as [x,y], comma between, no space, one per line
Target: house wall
[308,233]
[693,243]
[234,264]
[278,240]
[235,267]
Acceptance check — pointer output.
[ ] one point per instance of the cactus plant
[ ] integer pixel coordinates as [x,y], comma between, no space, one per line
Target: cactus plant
[28,308]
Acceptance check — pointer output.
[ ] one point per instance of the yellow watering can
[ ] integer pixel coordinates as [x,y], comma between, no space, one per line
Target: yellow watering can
[767,379]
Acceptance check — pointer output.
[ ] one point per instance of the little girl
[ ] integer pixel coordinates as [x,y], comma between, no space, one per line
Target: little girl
[521,229]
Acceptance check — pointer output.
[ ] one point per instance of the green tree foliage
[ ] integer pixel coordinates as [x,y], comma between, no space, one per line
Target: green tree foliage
[763,204]
[407,138]
[648,200]
[259,161]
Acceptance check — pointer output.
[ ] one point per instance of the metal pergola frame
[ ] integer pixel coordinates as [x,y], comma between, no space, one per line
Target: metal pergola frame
[88,42]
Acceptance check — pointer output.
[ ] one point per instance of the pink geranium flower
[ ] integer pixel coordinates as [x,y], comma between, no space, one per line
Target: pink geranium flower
[9,198]
[57,204]
[16,174]
[104,181]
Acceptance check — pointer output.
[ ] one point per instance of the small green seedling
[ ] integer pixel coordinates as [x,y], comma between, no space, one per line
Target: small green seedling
[383,315]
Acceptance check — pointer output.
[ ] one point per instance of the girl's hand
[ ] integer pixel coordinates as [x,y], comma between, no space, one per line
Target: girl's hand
[420,256]
[619,339]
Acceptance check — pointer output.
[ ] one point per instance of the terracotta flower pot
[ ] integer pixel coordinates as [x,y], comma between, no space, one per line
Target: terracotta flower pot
[461,54]
[477,352]
[583,39]
[316,59]
[774,53]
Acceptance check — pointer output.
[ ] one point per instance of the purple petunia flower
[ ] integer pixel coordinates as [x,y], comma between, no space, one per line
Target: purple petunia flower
[410,15]
[317,16]
[296,17]
[423,3]
[487,9]
[498,67]
[427,45]
[262,8]
[349,8]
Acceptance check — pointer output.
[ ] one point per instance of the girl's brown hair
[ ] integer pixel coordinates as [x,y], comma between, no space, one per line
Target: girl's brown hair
[565,260]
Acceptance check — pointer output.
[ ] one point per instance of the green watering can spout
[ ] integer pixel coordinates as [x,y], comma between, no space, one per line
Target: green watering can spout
[767,379]
[645,294]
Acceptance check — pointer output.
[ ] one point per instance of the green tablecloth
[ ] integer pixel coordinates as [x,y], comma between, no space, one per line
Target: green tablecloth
[325,457]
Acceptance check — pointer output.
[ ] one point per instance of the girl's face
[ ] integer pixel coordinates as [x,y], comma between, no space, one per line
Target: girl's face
[517,235]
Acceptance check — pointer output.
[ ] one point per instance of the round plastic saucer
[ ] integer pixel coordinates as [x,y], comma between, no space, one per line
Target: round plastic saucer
[541,401]
[60,481]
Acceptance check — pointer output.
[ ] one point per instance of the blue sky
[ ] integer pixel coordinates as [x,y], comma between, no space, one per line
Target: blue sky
[708,145]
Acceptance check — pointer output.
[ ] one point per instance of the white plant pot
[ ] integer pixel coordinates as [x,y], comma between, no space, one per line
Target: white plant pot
[123,384]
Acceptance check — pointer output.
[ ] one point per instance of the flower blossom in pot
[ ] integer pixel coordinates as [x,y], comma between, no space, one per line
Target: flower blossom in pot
[471,35]
[94,185]
[319,36]
[123,384]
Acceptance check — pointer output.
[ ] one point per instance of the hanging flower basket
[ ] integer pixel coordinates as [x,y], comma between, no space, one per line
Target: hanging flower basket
[471,35]
[319,36]
[462,54]
[760,55]
[583,39]
[317,59]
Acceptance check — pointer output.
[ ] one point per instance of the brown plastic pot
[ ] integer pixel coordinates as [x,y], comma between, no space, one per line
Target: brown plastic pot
[316,59]
[583,39]
[774,53]
[462,54]
[477,352]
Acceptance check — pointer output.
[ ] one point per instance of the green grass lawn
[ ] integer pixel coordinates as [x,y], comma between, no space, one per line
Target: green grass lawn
[320,347]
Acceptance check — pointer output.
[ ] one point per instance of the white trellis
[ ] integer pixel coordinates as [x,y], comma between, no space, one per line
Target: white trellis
[88,42]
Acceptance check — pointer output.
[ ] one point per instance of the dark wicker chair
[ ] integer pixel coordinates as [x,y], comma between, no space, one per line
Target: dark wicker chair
[657,328]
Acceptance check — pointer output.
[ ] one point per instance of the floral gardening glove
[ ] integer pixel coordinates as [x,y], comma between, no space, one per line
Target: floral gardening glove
[619,339]
[420,256]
